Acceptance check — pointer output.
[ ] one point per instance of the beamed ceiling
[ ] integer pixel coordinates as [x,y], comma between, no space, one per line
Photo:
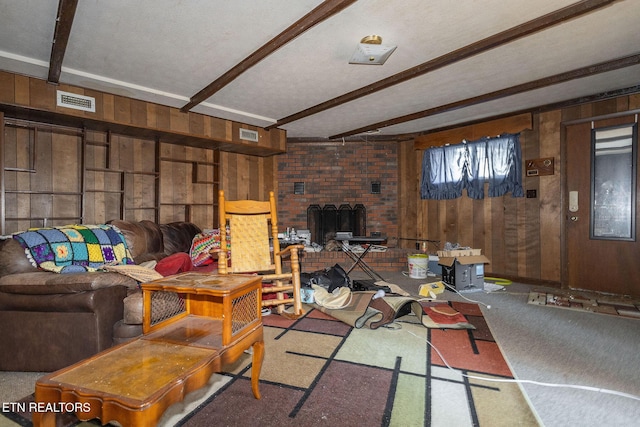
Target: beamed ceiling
[285,64]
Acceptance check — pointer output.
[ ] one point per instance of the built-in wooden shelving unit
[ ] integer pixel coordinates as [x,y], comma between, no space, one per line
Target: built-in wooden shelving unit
[55,175]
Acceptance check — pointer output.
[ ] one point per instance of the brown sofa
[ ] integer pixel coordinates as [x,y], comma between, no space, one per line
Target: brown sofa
[49,320]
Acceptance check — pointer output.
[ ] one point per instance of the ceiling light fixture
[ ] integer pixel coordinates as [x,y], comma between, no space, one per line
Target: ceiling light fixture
[371,51]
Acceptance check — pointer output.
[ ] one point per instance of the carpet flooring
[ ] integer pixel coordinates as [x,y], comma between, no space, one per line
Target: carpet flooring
[542,346]
[320,371]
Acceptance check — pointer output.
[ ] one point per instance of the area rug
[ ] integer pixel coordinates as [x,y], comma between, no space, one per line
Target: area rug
[319,371]
[588,302]
[366,311]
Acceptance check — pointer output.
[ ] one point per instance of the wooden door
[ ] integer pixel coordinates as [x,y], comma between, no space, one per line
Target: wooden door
[594,262]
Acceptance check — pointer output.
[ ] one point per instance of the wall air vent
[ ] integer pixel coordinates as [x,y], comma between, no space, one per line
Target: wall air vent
[75,101]
[298,187]
[249,135]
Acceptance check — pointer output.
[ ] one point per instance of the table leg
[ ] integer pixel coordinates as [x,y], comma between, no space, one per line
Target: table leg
[44,419]
[360,262]
[370,271]
[256,367]
[347,250]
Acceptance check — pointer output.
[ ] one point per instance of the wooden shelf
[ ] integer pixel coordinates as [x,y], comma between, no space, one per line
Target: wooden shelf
[133,188]
[186,204]
[107,170]
[171,137]
[20,170]
[47,192]
[105,191]
[195,162]
[192,330]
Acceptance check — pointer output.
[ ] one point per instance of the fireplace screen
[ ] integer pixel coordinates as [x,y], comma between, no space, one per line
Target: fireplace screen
[327,220]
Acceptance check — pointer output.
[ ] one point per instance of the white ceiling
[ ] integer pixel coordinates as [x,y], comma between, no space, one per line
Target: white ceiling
[166,51]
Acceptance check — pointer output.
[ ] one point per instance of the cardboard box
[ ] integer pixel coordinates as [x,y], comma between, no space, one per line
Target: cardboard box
[434,266]
[459,252]
[464,273]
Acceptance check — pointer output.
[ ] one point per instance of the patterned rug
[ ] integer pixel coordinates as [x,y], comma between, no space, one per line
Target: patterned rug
[366,311]
[320,371]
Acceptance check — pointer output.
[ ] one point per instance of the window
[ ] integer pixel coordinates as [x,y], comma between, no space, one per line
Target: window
[613,182]
[447,170]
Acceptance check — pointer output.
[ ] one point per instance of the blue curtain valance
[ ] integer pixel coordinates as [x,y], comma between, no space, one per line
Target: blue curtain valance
[447,170]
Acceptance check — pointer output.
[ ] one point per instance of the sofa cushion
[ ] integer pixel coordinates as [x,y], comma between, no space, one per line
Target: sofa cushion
[123,332]
[43,283]
[77,302]
[13,259]
[173,264]
[178,236]
[164,305]
[143,238]
[133,309]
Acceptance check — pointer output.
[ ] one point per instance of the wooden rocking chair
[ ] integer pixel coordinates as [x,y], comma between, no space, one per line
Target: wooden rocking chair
[248,226]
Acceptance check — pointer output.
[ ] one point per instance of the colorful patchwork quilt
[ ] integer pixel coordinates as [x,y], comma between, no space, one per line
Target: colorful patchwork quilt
[75,248]
[203,243]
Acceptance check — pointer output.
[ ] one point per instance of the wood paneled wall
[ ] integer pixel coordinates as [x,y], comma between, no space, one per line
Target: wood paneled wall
[522,237]
[126,115]
[248,177]
[170,164]
[188,184]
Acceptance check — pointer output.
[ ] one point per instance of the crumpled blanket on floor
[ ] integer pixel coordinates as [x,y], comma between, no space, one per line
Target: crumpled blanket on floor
[365,311]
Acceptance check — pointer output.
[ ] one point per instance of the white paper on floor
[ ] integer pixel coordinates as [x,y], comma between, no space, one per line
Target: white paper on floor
[492,287]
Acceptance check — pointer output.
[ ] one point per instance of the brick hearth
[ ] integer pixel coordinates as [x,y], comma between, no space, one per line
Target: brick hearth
[393,260]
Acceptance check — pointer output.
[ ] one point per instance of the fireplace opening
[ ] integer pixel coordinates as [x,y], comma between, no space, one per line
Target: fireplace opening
[329,219]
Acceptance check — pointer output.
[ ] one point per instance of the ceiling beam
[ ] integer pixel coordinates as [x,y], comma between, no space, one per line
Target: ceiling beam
[325,10]
[414,136]
[64,21]
[509,124]
[491,42]
[579,73]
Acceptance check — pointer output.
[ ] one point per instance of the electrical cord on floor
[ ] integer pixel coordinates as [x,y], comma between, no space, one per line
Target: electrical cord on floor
[451,288]
[516,381]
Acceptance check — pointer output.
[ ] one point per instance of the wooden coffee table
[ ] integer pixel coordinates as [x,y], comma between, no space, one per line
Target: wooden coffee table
[193,324]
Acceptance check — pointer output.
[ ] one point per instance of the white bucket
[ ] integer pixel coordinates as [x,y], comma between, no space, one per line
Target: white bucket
[418,264]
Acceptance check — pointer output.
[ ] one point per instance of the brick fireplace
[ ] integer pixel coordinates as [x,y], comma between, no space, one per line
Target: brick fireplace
[342,174]
[337,174]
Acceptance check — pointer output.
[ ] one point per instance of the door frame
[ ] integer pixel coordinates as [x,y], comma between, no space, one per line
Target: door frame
[564,196]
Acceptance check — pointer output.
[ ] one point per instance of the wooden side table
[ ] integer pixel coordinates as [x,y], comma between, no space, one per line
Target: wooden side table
[193,323]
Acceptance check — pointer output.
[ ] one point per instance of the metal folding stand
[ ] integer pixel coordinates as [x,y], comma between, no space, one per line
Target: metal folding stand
[358,258]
